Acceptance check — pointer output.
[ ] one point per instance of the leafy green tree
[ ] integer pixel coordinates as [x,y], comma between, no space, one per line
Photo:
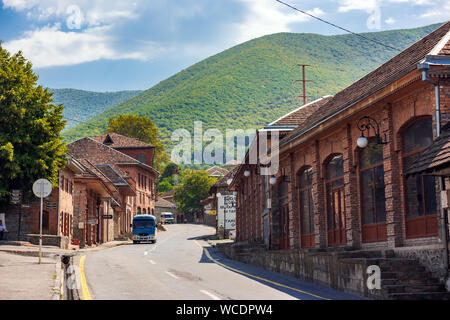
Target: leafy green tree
[143,129]
[193,188]
[30,143]
[165,185]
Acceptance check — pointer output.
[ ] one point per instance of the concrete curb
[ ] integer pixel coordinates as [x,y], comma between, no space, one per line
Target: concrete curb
[58,282]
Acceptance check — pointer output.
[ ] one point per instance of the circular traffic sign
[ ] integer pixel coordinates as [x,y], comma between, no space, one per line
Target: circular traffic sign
[42,188]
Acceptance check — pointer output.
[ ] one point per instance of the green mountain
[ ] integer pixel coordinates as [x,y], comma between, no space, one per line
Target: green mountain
[253,83]
[80,106]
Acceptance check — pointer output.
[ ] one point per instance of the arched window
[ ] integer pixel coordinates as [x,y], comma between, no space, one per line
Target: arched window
[373,201]
[306,207]
[139,210]
[335,201]
[144,211]
[420,190]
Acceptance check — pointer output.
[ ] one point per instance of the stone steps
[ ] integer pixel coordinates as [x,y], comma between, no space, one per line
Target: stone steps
[403,288]
[413,281]
[420,296]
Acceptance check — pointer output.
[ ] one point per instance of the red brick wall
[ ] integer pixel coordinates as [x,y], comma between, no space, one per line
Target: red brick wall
[393,114]
[134,154]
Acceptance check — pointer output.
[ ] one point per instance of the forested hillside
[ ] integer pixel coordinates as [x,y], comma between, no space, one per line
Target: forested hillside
[253,83]
[80,106]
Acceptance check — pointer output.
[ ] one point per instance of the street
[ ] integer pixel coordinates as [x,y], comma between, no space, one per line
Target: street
[177,267]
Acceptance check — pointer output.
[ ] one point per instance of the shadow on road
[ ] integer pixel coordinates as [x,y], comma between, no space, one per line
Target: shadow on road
[304,290]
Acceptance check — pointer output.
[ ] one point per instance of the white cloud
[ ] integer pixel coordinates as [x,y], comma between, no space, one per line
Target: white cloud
[267,17]
[366,5]
[390,20]
[94,12]
[49,46]
[438,13]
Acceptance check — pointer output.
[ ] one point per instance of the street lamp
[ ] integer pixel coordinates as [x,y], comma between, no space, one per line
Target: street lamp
[366,123]
[272,180]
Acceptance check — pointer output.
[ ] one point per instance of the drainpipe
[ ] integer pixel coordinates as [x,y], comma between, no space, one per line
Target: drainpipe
[424,67]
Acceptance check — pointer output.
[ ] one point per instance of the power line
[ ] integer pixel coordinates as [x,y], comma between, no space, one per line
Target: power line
[336,26]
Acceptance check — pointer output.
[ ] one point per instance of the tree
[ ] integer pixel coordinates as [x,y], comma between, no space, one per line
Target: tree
[193,189]
[142,128]
[30,143]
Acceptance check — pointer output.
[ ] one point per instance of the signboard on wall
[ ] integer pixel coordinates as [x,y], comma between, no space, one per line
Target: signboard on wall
[227,212]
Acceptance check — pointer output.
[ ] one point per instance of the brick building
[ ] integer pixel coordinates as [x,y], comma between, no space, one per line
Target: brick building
[332,195]
[140,169]
[130,183]
[23,221]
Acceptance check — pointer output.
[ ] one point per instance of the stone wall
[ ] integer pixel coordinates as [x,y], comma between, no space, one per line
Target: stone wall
[48,240]
[432,257]
[338,270]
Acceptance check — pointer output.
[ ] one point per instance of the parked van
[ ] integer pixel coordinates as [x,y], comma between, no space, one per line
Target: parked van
[144,228]
[167,218]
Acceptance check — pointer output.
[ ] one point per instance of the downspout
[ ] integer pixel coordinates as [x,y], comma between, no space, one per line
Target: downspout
[424,67]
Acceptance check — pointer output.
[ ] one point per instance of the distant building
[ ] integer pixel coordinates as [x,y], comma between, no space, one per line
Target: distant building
[217,171]
[163,205]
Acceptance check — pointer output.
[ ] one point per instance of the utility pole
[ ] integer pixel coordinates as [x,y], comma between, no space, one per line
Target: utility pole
[304,81]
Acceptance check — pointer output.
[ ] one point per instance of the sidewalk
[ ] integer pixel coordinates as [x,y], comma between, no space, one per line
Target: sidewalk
[22,278]
[28,249]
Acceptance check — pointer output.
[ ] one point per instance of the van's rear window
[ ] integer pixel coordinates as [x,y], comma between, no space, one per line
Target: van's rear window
[143,223]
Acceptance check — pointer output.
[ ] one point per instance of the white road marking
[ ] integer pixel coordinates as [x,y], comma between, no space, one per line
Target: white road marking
[172,275]
[152,262]
[210,295]
[145,253]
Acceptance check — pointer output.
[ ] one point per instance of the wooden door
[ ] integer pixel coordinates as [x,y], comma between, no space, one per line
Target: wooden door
[336,231]
[284,227]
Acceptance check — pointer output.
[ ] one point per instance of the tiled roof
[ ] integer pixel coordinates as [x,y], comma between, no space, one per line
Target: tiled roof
[98,153]
[168,194]
[163,203]
[222,182]
[392,70]
[300,115]
[118,141]
[111,174]
[217,171]
[434,157]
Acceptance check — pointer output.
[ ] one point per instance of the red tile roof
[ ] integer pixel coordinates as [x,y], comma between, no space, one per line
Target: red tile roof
[163,203]
[398,66]
[118,141]
[98,153]
[300,115]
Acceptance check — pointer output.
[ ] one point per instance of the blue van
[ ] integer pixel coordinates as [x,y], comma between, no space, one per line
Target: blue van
[144,228]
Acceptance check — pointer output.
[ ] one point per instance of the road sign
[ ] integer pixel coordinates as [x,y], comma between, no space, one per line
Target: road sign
[42,188]
[16,196]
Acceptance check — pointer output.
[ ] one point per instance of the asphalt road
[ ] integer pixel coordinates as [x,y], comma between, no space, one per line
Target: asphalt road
[178,267]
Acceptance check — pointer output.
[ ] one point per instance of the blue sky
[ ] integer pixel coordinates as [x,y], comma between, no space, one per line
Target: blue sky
[110,45]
